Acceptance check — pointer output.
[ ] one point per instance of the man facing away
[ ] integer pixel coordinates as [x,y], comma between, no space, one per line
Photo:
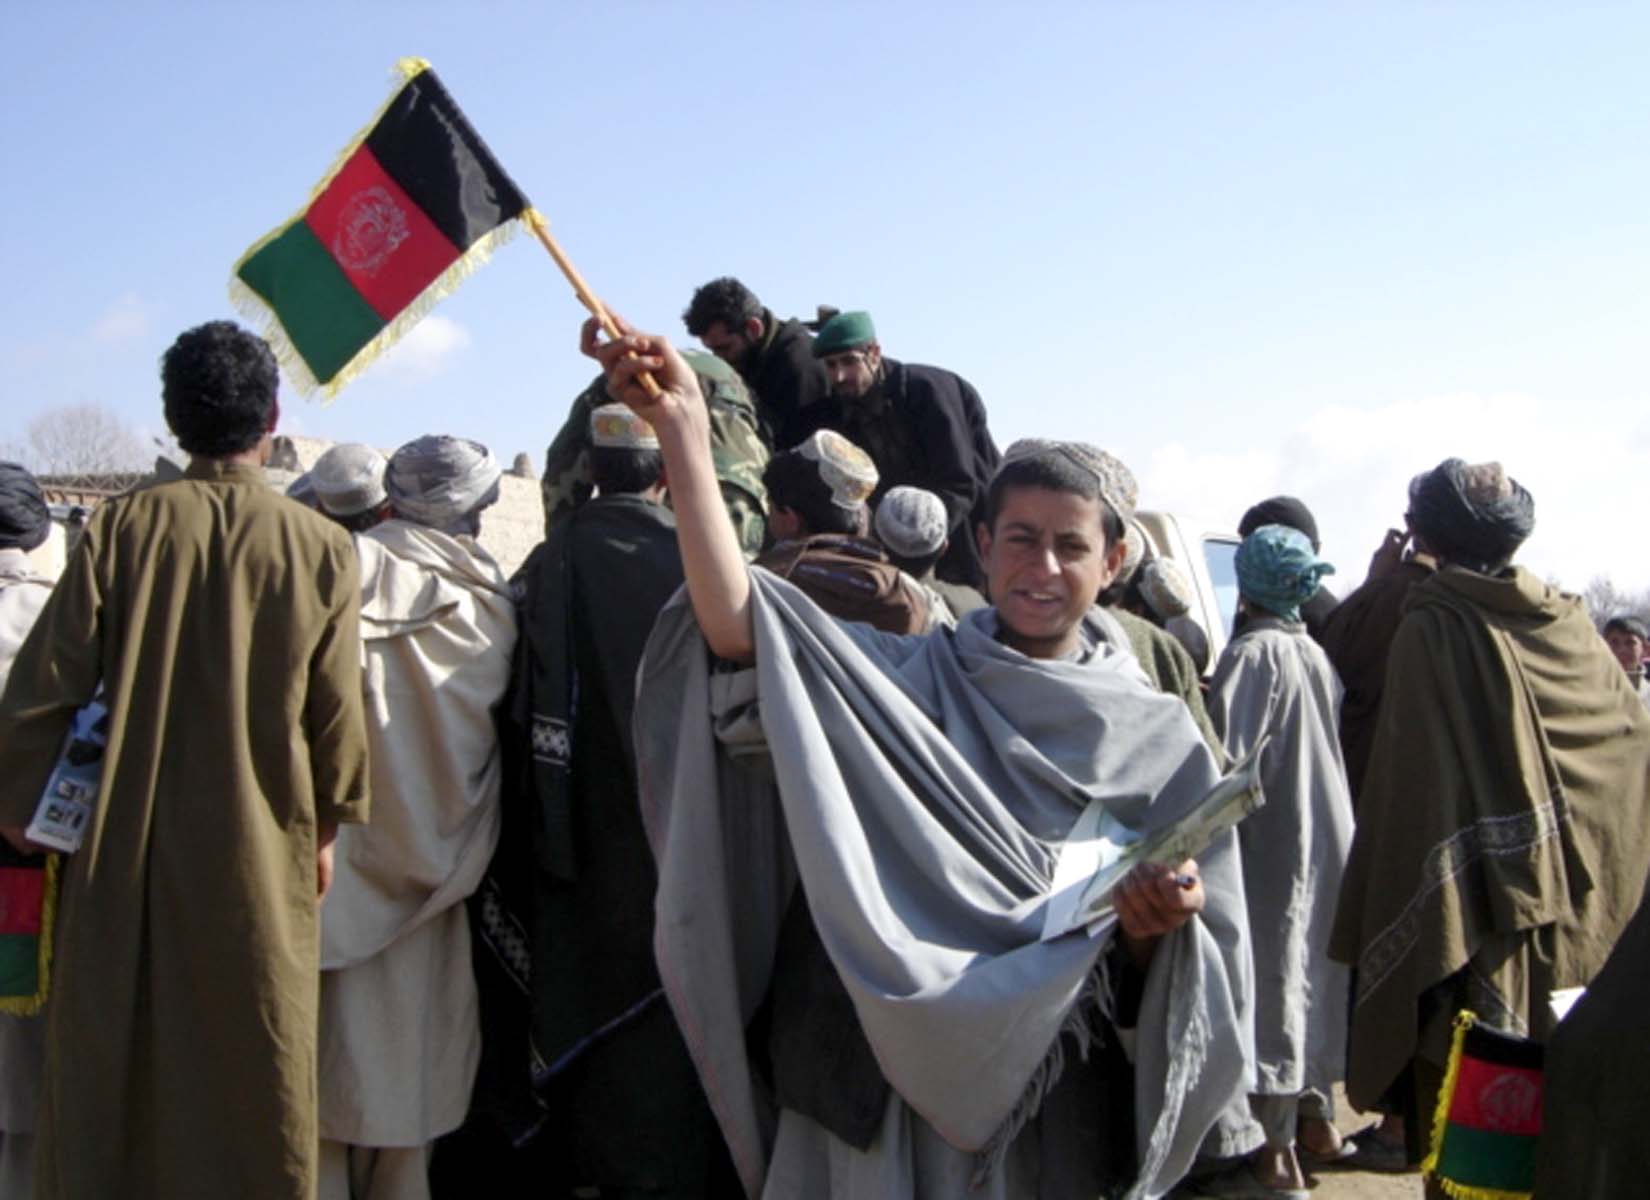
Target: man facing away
[775,358]
[348,485]
[820,520]
[921,425]
[220,619]
[1292,514]
[625,1102]
[926,784]
[1274,682]
[910,522]
[736,445]
[1502,835]
[400,1030]
[25,522]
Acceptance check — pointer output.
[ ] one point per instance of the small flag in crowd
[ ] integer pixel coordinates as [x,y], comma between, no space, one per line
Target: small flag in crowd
[412,205]
[28,898]
[1489,1115]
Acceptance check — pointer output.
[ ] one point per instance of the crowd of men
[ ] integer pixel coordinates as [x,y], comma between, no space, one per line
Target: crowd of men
[710,854]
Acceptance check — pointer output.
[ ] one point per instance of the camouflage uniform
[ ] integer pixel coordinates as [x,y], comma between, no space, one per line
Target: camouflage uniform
[735,447]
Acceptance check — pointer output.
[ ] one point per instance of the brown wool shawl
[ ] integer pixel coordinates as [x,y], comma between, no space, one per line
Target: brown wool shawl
[1502,836]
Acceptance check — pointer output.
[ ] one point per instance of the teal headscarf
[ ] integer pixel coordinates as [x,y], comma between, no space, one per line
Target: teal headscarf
[1278,570]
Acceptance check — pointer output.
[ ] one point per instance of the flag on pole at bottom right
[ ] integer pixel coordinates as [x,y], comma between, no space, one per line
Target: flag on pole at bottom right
[1488,1121]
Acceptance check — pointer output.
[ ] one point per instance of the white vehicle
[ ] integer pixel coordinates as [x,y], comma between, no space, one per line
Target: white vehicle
[1204,551]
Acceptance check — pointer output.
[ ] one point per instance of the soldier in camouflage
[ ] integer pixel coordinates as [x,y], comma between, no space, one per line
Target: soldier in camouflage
[736,448]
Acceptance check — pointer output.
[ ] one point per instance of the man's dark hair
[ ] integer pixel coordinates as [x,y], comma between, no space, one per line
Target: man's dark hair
[362,521]
[1281,510]
[914,567]
[1629,624]
[620,472]
[793,482]
[218,385]
[725,301]
[1056,473]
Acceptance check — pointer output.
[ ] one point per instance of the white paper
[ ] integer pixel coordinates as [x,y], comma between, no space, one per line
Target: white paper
[1099,852]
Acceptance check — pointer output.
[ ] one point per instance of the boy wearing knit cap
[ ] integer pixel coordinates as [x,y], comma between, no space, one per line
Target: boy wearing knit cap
[855,834]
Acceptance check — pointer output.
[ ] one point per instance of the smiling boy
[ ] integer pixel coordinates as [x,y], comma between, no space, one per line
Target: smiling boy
[922,1038]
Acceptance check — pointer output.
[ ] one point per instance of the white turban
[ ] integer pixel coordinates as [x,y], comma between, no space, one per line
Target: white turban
[439,480]
[348,479]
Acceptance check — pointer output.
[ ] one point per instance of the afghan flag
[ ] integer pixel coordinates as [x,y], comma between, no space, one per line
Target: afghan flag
[410,207]
[1489,1115]
[28,901]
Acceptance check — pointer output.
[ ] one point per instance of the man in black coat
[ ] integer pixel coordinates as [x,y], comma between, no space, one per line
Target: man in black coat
[922,426]
[775,358]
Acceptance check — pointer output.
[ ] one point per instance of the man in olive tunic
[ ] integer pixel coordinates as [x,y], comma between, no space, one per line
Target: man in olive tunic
[221,620]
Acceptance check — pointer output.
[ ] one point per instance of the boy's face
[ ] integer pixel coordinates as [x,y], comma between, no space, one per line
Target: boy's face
[1628,648]
[1046,560]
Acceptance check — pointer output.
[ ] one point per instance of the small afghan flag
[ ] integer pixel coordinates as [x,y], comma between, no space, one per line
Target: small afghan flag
[1488,1121]
[28,901]
[409,208]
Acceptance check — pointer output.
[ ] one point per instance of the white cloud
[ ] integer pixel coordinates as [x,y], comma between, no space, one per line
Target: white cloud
[1352,468]
[427,349]
[127,318]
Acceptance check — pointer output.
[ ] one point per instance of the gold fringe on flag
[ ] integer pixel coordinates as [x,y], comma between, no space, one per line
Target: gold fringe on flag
[1464,1020]
[256,309]
[443,285]
[28,1006]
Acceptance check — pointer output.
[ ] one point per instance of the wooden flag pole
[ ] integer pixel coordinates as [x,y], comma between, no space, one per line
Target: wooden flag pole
[588,298]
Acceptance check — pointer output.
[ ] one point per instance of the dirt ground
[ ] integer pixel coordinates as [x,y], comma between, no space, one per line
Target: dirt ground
[1362,1185]
[1354,1185]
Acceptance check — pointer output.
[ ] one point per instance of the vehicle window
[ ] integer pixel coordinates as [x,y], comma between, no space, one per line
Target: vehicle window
[1221,554]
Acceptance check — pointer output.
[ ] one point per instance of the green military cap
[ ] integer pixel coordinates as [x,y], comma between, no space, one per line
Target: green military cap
[845,331]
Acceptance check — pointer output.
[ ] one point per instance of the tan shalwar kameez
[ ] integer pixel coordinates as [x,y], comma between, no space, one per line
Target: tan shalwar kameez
[400,1018]
[221,619]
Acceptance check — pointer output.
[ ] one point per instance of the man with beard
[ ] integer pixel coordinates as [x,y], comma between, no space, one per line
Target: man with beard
[775,358]
[922,426]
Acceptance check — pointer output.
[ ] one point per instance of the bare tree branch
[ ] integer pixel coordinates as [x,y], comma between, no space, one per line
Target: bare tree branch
[83,440]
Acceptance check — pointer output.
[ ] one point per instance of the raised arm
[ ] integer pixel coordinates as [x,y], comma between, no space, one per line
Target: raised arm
[717,578]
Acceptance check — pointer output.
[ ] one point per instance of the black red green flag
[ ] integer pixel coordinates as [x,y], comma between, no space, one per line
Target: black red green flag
[28,901]
[1488,1121]
[409,208]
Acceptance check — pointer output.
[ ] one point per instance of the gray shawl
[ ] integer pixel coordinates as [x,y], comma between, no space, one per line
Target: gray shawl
[923,786]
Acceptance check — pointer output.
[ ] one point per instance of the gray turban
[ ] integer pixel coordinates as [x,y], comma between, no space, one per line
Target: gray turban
[349,479]
[24,518]
[1475,516]
[911,522]
[1117,484]
[439,480]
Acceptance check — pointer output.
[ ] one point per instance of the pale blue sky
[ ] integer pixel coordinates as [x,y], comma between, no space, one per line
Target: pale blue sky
[1250,247]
